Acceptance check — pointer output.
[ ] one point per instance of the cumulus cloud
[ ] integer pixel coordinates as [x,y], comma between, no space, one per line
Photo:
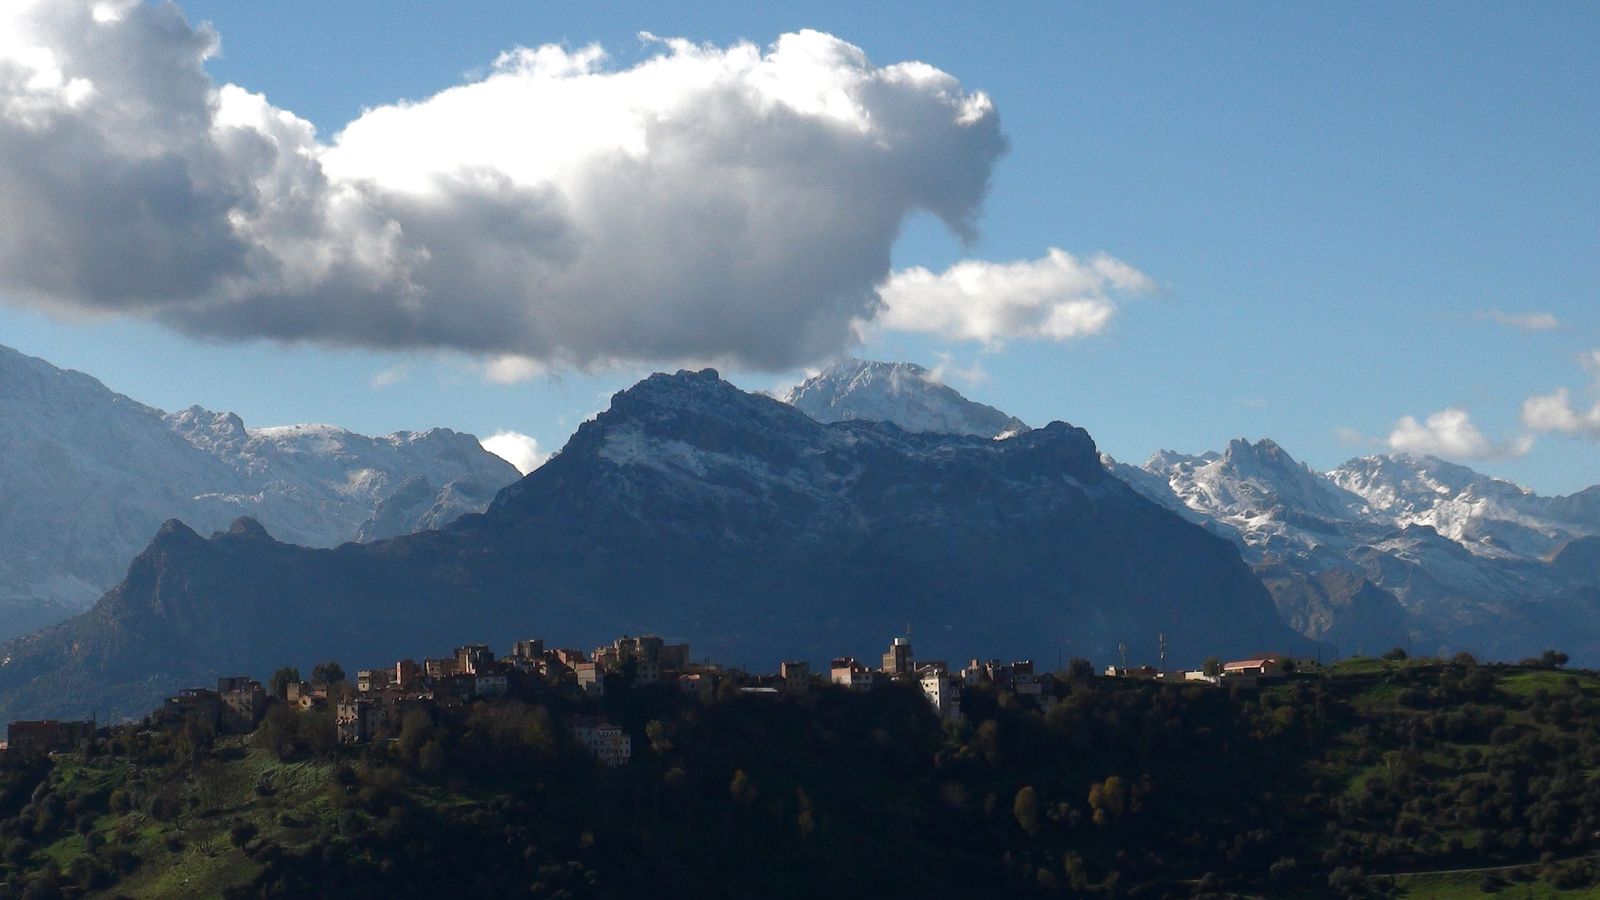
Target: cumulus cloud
[729,203]
[520,450]
[1451,434]
[1529,321]
[1056,297]
[1556,412]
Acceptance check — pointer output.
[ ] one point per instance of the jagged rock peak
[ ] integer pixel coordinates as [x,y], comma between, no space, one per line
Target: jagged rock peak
[248,527]
[905,394]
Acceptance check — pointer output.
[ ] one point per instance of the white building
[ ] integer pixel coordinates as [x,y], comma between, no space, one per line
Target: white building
[944,692]
[606,741]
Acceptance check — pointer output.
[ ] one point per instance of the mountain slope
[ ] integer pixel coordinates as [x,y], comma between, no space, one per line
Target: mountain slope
[695,510]
[1392,550]
[903,393]
[87,475]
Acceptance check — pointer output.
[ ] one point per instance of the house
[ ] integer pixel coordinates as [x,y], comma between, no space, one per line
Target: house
[609,743]
[26,738]
[591,678]
[845,671]
[1264,666]
[490,685]
[674,657]
[244,703]
[529,649]
[358,720]
[699,684]
[372,680]
[796,675]
[196,704]
[439,668]
[305,695]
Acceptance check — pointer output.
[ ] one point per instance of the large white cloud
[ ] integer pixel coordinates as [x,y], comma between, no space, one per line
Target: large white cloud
[713,203]
[1056,297]
[1450,433]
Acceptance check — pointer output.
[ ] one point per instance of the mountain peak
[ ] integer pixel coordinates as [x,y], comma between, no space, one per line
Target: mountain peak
[905,394]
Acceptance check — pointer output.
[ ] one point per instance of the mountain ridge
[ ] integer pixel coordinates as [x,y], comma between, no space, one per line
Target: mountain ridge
[87,475]
[693,509]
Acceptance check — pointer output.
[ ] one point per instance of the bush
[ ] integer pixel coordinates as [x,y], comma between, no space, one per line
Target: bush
[241,833]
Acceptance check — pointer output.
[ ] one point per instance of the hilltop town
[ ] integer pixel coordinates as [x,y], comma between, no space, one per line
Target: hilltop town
[374,704]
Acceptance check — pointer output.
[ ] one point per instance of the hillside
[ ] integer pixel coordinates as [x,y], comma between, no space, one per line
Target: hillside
[691,507]
[1360,780]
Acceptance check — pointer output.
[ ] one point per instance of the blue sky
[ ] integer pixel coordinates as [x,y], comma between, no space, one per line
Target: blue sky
[1331,202]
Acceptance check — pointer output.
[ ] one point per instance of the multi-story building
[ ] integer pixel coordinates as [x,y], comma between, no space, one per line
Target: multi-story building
[474,659]
[357,720]
[372,680]
[898,660]
[529,649]
[244,702]
[943,692]
[407,674]
[609,743]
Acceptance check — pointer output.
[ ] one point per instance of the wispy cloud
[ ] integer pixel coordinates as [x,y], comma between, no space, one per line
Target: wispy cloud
[390,376]
[1523,321]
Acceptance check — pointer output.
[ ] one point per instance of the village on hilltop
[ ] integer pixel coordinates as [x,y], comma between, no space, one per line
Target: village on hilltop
[366,709]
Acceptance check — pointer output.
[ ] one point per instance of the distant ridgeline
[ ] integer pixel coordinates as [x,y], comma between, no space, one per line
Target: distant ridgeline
[691,507]
[468,774]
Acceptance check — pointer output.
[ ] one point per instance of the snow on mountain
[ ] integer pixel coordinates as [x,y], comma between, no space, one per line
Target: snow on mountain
[1465,555]
[905,394]
[88,475]
[1488,516]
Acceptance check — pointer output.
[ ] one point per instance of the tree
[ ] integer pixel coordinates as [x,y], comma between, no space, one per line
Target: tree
[1396,654]
[1212,666]
[1080,669]
[281,680]
[1109,800]
[1026,808]
[329,673]
[1553,659]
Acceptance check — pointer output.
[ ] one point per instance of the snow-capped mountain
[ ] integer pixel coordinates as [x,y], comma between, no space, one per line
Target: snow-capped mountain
[1466,557]
[691,508]
[905,394]
[88,475]
[1382,550]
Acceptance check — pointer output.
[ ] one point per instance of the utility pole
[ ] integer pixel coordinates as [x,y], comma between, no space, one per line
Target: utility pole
[1122,649]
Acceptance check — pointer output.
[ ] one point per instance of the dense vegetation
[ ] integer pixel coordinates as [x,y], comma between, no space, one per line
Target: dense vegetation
[1333,783]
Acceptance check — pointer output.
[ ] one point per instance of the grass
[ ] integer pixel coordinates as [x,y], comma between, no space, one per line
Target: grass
[1469,884]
